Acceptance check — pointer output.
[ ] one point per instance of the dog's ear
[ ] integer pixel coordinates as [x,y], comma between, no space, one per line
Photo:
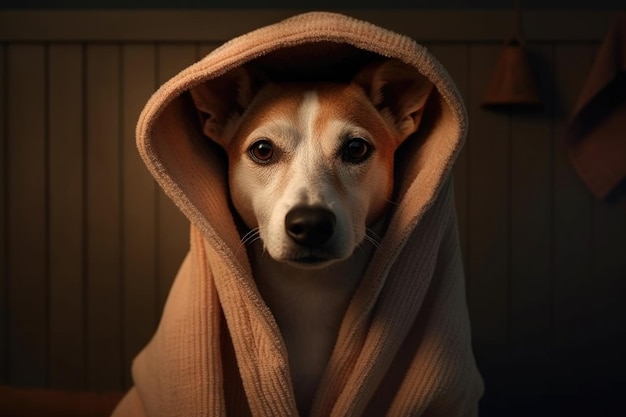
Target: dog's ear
[220,101]
[398,91]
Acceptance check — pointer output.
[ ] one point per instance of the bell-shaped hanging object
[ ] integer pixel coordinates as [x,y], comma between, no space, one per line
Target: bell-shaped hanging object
[512,84]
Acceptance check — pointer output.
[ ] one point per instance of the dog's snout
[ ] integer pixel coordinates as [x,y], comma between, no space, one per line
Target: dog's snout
[310,226]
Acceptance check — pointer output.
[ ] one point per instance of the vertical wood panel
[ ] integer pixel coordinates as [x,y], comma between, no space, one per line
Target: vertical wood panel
[574,293]
[607,339]
[531,243]
[488,222]
[3,246]
[545,261]
[103,218]
[65,114]
[139,196]
[590,272]
[173,227]
[455,58]
[26,157]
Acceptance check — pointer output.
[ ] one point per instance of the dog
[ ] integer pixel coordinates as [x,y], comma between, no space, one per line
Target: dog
[311,176]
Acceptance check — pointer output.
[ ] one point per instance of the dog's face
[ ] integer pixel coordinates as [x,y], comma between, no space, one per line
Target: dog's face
[311,166]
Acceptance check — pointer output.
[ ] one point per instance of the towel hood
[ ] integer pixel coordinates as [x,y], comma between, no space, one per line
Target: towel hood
[404,345]
[316,46]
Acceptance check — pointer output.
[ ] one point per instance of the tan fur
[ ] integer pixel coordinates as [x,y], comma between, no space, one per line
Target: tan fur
[307,125]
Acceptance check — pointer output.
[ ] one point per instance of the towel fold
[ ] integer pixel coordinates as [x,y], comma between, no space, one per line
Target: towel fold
[596,133]
[404,346]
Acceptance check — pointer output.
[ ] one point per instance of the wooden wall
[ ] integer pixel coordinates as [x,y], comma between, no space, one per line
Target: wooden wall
[89,245]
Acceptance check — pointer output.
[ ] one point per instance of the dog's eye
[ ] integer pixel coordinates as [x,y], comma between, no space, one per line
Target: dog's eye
[356,150]
[261,151]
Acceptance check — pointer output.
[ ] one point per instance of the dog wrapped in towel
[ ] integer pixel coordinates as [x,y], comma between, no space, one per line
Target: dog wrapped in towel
[313,159]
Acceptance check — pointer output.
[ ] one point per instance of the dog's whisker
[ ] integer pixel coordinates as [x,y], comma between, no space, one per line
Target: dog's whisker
[392,203]
[374,243]
[373,234]
[373,238]
[370,237]
[251,240]
[250,237]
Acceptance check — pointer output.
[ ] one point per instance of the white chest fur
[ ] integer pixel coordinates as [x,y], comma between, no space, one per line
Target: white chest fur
[309,306]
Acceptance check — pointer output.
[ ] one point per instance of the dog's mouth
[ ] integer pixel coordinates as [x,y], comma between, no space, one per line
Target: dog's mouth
[311,261]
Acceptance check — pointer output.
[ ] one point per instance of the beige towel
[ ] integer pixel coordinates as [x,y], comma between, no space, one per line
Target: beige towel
[404,346]
[596,134]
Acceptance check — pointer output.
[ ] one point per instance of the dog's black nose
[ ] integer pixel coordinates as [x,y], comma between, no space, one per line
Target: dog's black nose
[310,226]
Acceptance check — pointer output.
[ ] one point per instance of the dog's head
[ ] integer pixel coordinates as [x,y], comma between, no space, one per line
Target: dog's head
[311,165]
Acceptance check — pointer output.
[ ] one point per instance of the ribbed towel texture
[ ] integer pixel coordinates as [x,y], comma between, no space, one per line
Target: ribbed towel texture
[404,345]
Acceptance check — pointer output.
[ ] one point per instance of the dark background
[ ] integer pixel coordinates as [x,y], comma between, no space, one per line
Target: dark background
[84,274]
[311,4]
